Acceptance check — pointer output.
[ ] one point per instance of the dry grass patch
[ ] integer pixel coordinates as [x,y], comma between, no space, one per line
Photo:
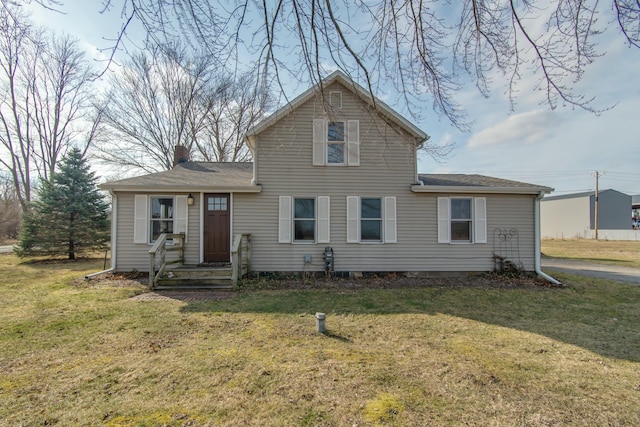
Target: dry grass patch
[421,355]
[623,253]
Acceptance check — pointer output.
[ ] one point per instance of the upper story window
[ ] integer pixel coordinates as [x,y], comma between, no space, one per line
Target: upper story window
[335,143]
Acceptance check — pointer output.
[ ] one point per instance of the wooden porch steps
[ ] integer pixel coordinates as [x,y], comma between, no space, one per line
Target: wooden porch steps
[196,277]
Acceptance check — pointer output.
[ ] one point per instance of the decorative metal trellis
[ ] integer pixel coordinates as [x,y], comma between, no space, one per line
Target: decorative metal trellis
[506,248]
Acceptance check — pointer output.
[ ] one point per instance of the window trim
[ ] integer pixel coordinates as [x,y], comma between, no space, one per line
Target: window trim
[286,225]
[294,219]
[470,221]
[351,142]
[342,143]
[142,216]
[388,220]
[478,231]
[380,220]
[151,219]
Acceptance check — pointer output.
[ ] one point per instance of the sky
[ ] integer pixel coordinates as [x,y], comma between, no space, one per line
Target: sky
[561,148]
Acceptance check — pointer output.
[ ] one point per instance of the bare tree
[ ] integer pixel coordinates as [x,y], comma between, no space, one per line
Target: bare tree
[169,97]
[235,109]
[44,101]
[10,211]
[423,47]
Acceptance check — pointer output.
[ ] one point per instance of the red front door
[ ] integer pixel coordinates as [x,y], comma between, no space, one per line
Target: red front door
[217,224]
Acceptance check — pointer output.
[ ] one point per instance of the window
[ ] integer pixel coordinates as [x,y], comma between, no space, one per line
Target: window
[154,215]
[304,220]
[335,143]
[216,203]
[462,220]
[370,220]
[161,220]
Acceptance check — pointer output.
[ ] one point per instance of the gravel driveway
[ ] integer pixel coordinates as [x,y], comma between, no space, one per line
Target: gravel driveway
[585,268]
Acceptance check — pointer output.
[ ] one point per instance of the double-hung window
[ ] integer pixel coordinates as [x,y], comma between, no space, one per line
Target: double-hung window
[335,143]
[161,220]
[155,215]
[370,219]
[462,220]
[304,219]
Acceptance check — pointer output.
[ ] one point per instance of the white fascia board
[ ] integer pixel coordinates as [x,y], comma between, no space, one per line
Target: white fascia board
[478,190]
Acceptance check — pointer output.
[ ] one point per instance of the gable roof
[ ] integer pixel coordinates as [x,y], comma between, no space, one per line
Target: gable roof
[359,91]
[463,183]
[192,176]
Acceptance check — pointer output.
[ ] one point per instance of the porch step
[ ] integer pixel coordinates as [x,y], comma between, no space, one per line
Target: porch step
[196,277]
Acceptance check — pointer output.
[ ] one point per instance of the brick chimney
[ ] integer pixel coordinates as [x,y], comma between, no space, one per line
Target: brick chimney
[180,155]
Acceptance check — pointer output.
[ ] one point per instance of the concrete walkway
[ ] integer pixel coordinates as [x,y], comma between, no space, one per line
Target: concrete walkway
[585,268]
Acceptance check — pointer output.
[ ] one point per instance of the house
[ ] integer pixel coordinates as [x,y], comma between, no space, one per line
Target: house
[334,177]
[574,215]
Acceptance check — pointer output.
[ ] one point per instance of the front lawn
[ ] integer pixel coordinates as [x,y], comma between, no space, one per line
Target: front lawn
[405,356]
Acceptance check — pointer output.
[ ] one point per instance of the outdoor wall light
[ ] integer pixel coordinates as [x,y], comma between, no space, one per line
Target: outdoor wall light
[190,200]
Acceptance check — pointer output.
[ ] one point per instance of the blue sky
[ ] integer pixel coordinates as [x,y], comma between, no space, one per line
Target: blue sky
[559,148]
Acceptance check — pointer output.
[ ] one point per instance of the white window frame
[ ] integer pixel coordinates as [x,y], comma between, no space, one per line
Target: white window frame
[388,221]
[153,220]
[286,220]
[478,220]
[337,143]
[142,225]
[294,219]
[350,143]
[380,220]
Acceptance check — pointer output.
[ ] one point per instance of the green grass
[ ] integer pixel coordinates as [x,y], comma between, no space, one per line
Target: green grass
[623,253]
[439,356]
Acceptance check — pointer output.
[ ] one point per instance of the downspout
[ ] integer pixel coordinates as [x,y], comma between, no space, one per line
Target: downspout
[537,248]
[114,228]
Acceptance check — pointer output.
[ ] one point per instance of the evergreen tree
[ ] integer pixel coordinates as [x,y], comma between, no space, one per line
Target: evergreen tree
[70,216]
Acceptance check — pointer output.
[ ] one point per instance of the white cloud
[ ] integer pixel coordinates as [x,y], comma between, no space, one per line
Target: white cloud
[527,128]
